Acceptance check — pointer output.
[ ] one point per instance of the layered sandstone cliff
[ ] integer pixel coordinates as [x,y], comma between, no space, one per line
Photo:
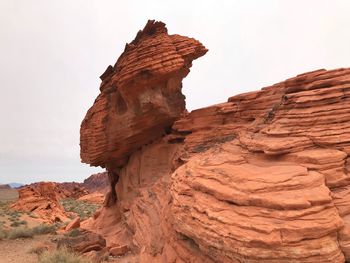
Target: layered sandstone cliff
[263,177]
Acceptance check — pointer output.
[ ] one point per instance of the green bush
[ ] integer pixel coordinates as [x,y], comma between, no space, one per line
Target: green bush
[82,208]
[61,255]
[44,229]
[20,232]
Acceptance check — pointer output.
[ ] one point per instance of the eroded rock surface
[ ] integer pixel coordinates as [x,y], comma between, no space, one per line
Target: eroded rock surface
[97,183]
[42,200]
[140,96]
[263,177]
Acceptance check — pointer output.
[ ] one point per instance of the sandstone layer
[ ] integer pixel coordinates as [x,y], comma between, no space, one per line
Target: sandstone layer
[97,183]
[263,177]
[42,200]
[140,96]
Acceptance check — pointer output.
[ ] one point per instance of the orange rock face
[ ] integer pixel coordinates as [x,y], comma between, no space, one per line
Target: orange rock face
[263,177]
[41,199]
[140,96]
[97,183]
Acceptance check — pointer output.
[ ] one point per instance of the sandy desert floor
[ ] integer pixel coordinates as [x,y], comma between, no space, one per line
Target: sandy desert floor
[22,250]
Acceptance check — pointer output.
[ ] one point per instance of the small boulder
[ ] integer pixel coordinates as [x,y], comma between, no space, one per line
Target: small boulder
[118,250]
[75,223]
[86,241]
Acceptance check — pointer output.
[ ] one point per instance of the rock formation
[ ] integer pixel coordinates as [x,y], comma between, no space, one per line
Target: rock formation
[97,183]
[42,200]
[263,177]
[140,96]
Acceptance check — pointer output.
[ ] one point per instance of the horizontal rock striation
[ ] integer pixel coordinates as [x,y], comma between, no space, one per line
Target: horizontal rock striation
[42,200]
[263,177]
[140,96]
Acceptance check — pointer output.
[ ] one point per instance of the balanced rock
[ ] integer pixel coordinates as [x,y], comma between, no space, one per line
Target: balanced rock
[140,96]
[263,177]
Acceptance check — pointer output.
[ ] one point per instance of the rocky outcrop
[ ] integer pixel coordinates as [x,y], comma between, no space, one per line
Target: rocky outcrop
[71,190]
[263,177]
[84,242]
[97,183]
[140,96]
[42,200]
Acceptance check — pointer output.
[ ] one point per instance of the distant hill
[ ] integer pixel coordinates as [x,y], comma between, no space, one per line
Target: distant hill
[4,186]
[15,185]
[97,183]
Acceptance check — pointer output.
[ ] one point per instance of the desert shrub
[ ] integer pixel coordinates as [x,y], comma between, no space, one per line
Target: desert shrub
[20,232]
[43,229]
[15,224]
[61,255]
[23,222]
[39,249]
[3,233]
[82,208]
[73,233]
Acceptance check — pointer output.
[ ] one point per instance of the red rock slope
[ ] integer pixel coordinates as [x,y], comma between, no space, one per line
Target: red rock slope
[42,199]
[263,177]
[97,183]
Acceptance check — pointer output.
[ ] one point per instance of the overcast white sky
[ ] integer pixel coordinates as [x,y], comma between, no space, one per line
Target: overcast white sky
[53,52]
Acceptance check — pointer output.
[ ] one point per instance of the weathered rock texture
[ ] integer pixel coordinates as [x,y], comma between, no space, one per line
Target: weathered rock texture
[140,96]
[42,200]
[263,177]
[97,183]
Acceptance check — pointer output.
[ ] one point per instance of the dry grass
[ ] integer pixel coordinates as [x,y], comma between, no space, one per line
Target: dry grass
[44,229]
[3,234]
[61,255]
[20,232]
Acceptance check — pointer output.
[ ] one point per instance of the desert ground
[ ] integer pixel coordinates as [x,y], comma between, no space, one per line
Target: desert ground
[25,237]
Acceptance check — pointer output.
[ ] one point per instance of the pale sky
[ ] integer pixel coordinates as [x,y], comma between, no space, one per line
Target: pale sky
[53,52]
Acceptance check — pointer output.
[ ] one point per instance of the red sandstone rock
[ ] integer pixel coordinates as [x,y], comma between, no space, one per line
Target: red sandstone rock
[96,198]
[118,251]
[85,242]
[142,91]
[72,190]
[97,183]
[75,223]
[263,177]
[41,199]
